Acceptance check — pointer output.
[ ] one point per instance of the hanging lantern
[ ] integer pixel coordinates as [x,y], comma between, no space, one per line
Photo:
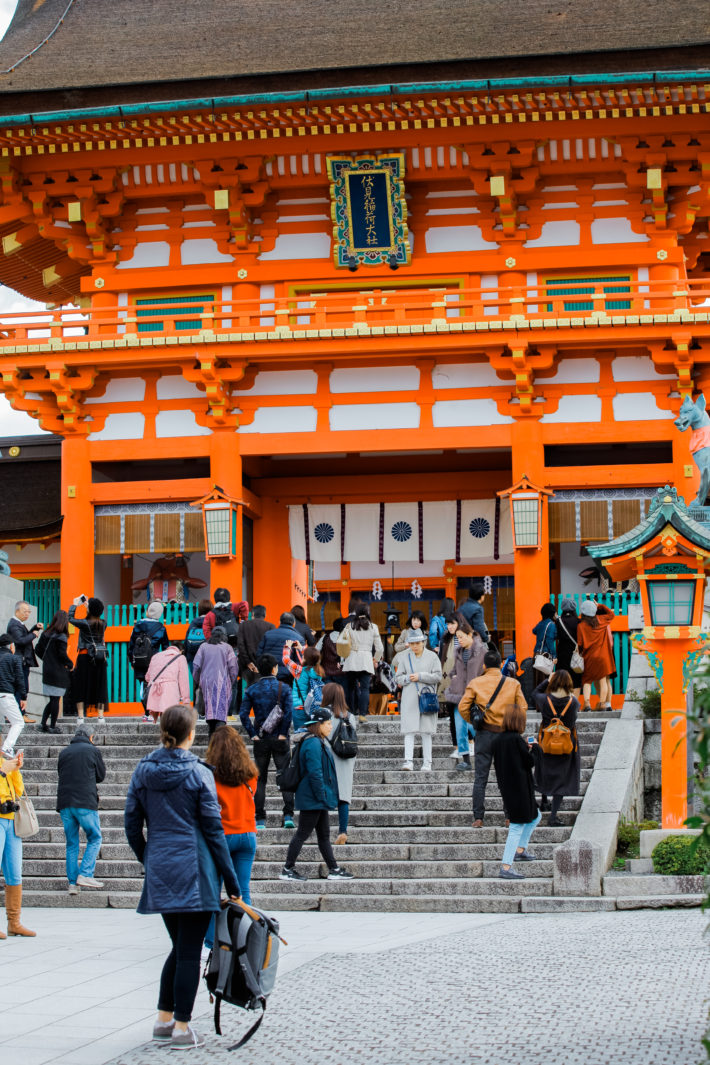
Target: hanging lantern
[526,512]
[220,514]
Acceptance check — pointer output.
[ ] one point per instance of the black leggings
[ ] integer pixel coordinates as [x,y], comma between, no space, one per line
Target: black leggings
[180,977]
[451,707]
[51,711]
[213,723]
[307,821]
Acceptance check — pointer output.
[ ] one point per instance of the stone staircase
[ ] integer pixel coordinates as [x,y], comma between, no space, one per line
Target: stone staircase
[411,845]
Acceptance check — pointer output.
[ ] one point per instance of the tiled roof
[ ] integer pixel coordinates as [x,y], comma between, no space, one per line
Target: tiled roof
[666,509]
[132,42]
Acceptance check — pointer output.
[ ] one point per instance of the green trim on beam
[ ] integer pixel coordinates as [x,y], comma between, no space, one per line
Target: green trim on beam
[554,81]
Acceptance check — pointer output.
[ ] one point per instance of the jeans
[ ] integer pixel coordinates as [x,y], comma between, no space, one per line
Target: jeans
[265,749]
[242,848]
[463,731]
[518,836]
[74,818]
[343,815]
[10,852]
[307,821]
[359,692]
[482,766]
[10,707]
[180,977]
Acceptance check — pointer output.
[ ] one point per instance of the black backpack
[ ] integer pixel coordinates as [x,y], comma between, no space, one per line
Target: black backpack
[143,651]
[224,616]
[241,968]
[288,778]
[344,739]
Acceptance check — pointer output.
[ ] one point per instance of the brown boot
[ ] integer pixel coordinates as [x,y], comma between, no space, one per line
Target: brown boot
[2,935]
[13,907]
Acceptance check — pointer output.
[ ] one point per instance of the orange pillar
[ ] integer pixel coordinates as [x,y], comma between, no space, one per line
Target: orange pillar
[686,477]
[77,544]
[273,583]
[226,471]
[674,737]
[531,568]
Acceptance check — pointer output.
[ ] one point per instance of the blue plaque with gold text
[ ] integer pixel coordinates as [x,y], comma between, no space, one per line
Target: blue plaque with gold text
[368,209]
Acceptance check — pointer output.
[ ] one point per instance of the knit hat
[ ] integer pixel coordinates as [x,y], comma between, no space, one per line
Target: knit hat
[155,610]
[6,639]
[317,715]
[95,607]
[416,636]
[568,606]
[588,608]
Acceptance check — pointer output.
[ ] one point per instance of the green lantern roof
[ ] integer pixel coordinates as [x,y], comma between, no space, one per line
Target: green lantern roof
[667,508]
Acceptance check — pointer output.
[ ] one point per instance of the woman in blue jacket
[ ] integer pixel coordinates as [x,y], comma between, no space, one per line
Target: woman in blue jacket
[184,853]
[316,794]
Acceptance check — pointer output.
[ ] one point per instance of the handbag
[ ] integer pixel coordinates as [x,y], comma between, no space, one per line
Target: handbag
[343,742]
[477,712]
[576,661]
[147,686]
[274,717]
[344,643]
[428,699]
[26,823]
[544,663]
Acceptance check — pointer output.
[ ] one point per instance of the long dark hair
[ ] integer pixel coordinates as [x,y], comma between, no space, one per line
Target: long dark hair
[59,625]
[299,613]
[362,617]
[333,698]
[422,617]
[229,758]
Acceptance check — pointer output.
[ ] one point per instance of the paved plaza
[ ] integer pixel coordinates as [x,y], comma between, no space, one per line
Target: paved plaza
[378,989]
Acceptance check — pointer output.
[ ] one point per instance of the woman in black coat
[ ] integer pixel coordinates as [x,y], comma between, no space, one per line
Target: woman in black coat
[56,667]
[567,623]
[557,774]
[514,763]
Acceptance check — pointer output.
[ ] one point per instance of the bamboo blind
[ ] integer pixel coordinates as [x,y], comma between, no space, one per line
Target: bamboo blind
[166,532]
[562,523]
[194,532]
[137,533]
[627,514]
[107,534]
[594,519]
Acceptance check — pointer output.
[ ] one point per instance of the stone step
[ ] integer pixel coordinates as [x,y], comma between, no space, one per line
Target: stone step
[410,870]
[432,903]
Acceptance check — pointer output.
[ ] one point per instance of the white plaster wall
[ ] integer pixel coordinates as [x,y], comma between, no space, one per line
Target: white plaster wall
[615,231]
[149,253]
[637,368]
[374,416]
[31,554]
[175,386]
[195,252]
[129,426]
[464,375]
[373,571]
[450,412]
[638,407]
[578,409]
[283,383]
[571,562]
[375,379]
[121,390]
[178,423]
[457,238]
[282,420]
[559,234]
[299,246]
[574,372]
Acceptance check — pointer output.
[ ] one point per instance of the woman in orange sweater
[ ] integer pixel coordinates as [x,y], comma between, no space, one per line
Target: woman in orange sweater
[235,778]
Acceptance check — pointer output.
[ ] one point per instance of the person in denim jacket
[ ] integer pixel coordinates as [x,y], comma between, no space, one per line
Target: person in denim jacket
[261,697]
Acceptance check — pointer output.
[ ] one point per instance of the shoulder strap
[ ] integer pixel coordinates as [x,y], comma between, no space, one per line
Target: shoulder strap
[173,658]
[493,697]
[569,634]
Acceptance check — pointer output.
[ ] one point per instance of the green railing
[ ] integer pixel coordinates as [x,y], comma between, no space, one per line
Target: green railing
[122,684]
[174,613]
[43,592]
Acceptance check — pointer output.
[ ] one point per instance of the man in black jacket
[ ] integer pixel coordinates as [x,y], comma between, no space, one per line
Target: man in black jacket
[274,641]
[248,640]
[13,692]
[80,768]
[23,639]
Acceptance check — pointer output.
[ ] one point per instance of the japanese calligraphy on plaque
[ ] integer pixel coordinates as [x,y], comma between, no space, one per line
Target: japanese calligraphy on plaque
[369,210]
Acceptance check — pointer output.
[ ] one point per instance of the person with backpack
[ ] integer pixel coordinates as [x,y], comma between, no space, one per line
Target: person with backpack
[365,648]
[468,664]
[545,633]
[514,763]
[56,668]
[557,770]
[316,795]
[437,629]
[492,692]
[195,635]
[248,640]
[343,744]
[274,641]
[90,676]
[308,678]
[167,682]
[418,669]
[174,827]
[148,637]
[272,704]
[235,777]
[215,671]
[226,614]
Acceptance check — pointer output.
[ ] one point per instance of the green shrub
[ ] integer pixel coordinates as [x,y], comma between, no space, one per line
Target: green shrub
[681,856]
[628,837]
[650,701]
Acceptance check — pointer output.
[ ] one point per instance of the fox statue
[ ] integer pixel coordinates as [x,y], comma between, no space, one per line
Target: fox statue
[694,416]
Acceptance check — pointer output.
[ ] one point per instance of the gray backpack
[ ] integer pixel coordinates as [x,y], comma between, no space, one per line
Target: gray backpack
[241,968]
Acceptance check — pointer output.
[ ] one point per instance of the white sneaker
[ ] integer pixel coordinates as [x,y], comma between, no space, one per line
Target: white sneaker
[409,766]
[74,889]
[426,767]
[455,753]
[471,749]
[89,881]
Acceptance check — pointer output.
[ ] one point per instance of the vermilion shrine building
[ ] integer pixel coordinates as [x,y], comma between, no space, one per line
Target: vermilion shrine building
[539,305]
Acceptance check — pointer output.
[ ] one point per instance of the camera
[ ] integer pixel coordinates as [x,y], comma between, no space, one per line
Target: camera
[9,807]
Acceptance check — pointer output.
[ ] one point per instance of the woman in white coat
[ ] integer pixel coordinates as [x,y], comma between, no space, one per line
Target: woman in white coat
[333,699]
[417,667]
[359,666]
